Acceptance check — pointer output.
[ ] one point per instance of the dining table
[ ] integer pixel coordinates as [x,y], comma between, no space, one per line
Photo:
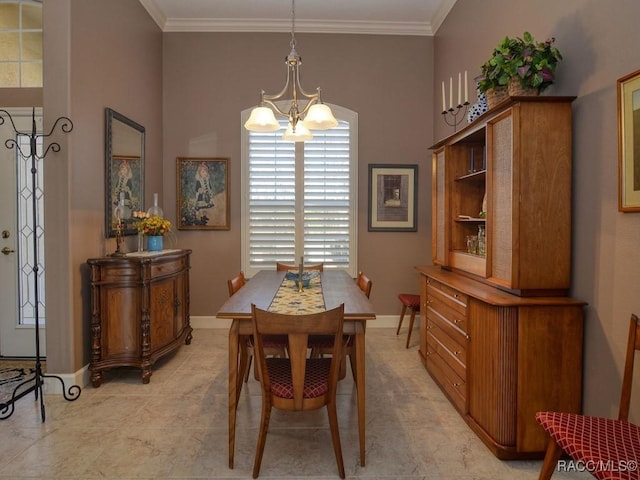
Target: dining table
[270,290]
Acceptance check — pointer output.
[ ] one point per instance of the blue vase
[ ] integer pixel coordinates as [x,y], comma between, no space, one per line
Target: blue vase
[154,243]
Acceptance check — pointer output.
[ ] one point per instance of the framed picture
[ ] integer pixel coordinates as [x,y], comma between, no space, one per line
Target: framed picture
[203,193]
[629,142]
[124,172]
[393,194]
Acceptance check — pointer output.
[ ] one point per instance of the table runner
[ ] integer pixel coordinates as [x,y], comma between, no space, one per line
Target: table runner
[289,301]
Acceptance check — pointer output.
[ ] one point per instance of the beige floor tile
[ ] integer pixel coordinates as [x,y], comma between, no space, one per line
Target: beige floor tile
[175,427]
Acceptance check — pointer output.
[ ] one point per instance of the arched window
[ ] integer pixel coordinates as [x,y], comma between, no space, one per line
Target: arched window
[300,199]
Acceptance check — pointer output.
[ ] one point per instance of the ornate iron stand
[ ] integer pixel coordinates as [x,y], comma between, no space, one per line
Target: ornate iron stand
[454,112]
[66,125]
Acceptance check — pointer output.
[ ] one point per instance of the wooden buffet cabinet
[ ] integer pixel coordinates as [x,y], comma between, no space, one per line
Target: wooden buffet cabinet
[497,332]
[139,310]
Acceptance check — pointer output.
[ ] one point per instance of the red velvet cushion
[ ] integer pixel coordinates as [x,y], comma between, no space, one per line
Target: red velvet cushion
[410,300]
[609,449]
[316,380]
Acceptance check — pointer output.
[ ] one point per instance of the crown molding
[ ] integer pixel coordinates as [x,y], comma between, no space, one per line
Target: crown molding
[284,25]
[302,26]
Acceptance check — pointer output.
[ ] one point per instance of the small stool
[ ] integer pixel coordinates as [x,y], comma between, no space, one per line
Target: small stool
[411,302]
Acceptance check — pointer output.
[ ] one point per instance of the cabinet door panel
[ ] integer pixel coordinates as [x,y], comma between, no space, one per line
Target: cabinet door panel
[501,202]
[121,325]
[162,313]
[439,209]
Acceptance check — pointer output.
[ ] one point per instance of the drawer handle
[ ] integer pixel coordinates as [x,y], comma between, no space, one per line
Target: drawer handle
[456,353]
[456,385]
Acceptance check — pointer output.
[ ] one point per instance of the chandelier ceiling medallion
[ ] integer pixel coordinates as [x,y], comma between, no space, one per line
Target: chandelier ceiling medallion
[303,117]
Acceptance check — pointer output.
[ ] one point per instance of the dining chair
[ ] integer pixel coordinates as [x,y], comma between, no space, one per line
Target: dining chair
[275,346]
[611,446]
[323,345]
[412,302]
[284,267]
[298,383]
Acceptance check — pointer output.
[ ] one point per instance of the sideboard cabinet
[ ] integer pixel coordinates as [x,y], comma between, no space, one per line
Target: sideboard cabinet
[498,333]
[501,358]
[513,164]
[139,310]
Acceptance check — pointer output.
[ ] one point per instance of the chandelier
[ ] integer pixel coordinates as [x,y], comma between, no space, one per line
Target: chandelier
[303,117]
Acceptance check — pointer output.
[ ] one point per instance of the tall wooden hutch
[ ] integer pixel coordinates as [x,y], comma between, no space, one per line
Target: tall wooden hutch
[497,331]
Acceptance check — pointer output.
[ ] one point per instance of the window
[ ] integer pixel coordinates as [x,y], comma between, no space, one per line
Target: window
[20,43]
[299,199]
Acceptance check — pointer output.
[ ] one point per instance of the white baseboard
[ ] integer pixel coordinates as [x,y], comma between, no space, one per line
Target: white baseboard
[381,321]
[82,377]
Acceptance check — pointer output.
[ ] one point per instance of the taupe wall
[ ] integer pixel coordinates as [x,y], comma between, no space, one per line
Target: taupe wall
[597,41]
[209,78]
[188,90]
[97,54]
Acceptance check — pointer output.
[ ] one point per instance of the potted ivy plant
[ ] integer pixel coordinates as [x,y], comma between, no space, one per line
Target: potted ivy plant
[521,65]
[533,64]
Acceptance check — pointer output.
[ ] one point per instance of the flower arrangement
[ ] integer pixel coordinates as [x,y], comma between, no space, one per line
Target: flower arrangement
[151,225]
[532,63]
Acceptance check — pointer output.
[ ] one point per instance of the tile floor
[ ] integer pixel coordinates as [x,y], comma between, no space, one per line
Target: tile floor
[176,426]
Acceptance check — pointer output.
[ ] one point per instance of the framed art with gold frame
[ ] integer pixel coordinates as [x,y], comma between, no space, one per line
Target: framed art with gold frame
[628,93]
[202,193]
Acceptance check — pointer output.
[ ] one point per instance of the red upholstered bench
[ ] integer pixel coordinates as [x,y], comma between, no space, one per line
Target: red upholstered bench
[412,302]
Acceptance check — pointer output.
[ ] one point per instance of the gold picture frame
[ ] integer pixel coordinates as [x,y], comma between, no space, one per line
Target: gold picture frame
[628,93]
[202,193]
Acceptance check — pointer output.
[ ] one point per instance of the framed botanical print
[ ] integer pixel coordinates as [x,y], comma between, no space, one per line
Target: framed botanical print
[393,193]
[203,193]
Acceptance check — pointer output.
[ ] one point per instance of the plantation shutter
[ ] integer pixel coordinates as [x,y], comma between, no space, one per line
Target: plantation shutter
[272,201]
[327,198]
[299,199]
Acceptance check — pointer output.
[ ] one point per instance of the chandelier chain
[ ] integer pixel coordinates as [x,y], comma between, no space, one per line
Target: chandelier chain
[293,24]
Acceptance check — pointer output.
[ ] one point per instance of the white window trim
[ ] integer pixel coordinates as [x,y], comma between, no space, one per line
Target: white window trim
[340,113]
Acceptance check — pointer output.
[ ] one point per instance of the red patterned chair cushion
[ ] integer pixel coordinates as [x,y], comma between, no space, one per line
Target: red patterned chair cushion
[316,381]
[410,300]
[609,449]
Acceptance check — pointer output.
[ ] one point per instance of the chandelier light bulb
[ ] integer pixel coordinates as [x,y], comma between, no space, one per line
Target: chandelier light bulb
[320,117]
[300,134]
[262,119]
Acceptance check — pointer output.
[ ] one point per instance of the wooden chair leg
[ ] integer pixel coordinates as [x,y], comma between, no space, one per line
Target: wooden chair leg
[246,373]
[551,457]
[411,319]
[402,312]
[262,437]
[335,437]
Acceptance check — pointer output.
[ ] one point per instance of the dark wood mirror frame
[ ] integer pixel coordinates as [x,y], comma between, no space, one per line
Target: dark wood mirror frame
[124,170]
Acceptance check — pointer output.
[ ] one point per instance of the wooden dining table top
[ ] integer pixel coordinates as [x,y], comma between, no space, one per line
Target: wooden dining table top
[337,288]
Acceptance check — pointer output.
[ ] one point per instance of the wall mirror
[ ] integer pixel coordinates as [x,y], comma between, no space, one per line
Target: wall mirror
[124,172]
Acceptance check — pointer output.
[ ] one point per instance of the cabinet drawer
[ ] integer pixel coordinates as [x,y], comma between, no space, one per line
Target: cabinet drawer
[168,268]
[447,295]
[451,383]
[118,273]
[455,344]
[448,350]
[456,318]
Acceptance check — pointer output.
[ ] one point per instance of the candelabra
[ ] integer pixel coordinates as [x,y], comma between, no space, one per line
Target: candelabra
[454,113]
[35,383]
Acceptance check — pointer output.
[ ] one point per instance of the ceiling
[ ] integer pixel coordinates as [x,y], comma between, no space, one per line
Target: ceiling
[388,17]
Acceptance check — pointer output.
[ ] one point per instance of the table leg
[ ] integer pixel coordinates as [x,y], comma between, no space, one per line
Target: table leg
[360,386]
[233,385]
